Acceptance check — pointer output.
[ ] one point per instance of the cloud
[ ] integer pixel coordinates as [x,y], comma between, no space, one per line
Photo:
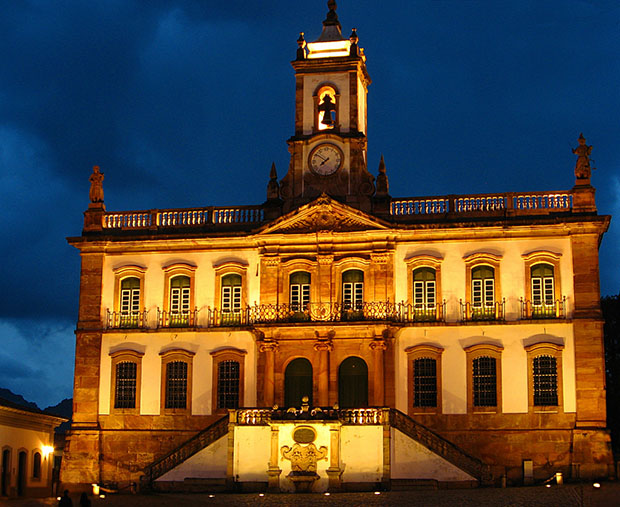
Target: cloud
[36,359]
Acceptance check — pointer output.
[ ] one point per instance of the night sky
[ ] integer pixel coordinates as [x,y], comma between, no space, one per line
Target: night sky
[187,103]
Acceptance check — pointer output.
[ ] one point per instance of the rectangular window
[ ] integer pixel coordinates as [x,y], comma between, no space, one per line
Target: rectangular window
[484,382]
[300,296]
[424,382]
[126,378]
[545,372]
[231,298]
[228,384]
[179,300]
[176,384]
[352,295]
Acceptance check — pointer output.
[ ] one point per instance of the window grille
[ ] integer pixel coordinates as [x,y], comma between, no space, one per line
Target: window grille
[228,384]
[425,382]
[176,384]
[485,381]
[545,372]
[126,378]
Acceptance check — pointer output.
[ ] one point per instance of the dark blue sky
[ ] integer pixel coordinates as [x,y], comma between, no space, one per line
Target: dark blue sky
[187,103]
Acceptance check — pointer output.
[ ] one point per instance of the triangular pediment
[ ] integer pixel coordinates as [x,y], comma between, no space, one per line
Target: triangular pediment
[324,214]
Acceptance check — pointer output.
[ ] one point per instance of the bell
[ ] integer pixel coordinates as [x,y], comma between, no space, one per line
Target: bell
[327,119]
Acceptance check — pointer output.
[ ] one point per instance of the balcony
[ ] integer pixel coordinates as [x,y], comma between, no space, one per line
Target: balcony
[346,312]
[493,311]
[177,319]
[126,320]
[543,309]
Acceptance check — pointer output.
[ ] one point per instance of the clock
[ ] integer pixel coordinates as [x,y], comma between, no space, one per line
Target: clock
[325,159]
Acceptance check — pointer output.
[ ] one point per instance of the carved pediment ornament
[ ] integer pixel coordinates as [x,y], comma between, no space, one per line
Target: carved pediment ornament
[325,215]
[378,344]
[323,345]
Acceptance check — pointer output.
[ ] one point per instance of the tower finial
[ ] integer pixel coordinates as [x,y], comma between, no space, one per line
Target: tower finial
[383,187]
[332,17]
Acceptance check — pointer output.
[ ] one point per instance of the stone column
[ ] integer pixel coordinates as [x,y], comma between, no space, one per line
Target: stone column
[269,347]
[323,347]
[378,345]
[81,459]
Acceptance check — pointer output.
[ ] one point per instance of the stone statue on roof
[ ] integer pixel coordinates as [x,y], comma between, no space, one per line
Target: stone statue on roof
[96,185]
[582,167]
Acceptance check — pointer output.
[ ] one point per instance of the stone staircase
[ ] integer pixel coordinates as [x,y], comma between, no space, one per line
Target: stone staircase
[177,456]
[440,446]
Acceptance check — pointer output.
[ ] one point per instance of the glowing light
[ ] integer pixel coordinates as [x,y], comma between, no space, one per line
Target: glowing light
[58,498]
[329,48]
[102,496]
[326,494]
[377,492]
[548,485]
[596,485]
[261,494]
[95,489]
[211,496]
[47,450]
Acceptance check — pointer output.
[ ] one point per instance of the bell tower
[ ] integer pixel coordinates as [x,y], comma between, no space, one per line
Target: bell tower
[328,149]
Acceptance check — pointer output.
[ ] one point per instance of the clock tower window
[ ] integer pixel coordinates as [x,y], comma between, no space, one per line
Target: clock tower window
[326,108]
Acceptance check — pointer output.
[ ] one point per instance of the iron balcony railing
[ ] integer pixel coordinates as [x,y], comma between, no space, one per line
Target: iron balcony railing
[187,318]
[555,309]
[126,320]
[495,311]
[346,312]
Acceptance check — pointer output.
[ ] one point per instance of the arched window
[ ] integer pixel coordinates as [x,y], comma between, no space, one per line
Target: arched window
[36,465]
[353,289]
[130,302]
[231,299]
[299,291]
[228,375]
[353,383]
[424,382]
[483,292]
[424,289]
[180,300]
[126,383]
[543,290]
[327,108]
[297,382]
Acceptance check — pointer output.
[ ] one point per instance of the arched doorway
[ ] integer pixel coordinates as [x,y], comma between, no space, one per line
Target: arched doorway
[297,382]
[21,473]
[353,383]
[6,472]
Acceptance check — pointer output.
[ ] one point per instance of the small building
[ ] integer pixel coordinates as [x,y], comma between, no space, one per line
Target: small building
[28,450]
[339,333]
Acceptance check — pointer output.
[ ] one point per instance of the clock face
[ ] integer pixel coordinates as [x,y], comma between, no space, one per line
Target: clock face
[325,159]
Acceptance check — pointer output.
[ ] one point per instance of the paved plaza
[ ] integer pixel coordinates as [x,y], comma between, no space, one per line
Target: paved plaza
[562,496]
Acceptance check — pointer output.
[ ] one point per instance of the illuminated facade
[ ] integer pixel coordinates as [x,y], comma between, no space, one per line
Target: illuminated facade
[27,450]
[458,338]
